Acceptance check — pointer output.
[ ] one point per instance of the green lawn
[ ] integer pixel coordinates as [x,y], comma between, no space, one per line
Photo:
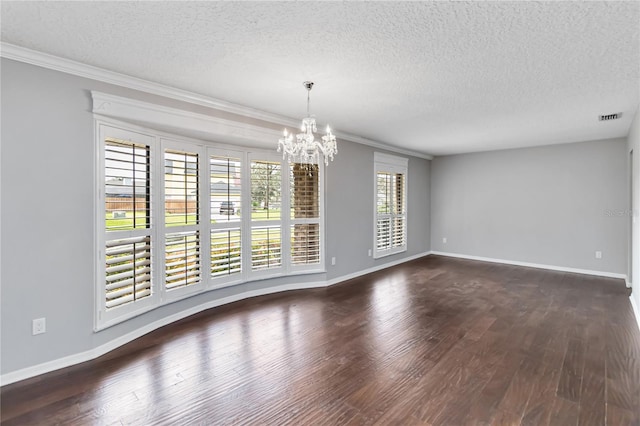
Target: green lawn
[262,214]
[178,219]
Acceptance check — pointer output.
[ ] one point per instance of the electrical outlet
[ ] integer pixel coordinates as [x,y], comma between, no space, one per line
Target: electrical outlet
[39,326]
[444,240]
[333,261]
[369,252]
[598,255]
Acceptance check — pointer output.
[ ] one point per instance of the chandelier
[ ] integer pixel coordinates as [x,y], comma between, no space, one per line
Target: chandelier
[306,148]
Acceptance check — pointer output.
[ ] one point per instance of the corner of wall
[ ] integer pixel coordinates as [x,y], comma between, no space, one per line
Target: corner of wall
[633,141]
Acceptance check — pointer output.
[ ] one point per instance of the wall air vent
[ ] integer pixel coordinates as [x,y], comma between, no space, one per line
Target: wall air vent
[609,117]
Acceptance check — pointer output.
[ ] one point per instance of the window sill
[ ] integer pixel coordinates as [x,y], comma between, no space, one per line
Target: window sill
[104,324]
[379,255]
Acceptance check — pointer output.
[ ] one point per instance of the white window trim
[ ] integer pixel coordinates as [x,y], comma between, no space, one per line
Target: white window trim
[282,222]
[163,230]
[393,164]
[230,280]
[103,317]
[158,141]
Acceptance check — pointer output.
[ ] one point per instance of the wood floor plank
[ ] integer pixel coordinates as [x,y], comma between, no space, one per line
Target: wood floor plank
[540,403]
[620,417]
[592,399]
[505,418]
[564,412]
[435,341]
[570,384]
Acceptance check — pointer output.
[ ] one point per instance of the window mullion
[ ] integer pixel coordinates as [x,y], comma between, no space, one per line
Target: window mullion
[204,211]
[245,219]
[285,214]
[158,216]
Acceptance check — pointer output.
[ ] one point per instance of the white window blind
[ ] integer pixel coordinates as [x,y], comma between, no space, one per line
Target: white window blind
[266,252]
[127,213]
[390,205]
[305,214]
[126,241]
[226,253]
[182,259]
[128,270]
[266,215]
[182,262]
[225,188]
[126,185]
[181,189]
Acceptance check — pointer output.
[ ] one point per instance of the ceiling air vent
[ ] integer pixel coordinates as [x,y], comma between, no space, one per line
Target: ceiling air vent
[609,117]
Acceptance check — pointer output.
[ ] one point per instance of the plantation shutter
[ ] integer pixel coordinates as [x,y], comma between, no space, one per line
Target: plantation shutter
[225,188]
[128,270]
[399,224]
[390,205]
[266,216]
[182,259]
[127,213]
[182,262]
[305,214]
[383,209]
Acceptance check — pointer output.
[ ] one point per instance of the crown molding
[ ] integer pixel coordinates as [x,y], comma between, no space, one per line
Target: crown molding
[181,121]
[56,63]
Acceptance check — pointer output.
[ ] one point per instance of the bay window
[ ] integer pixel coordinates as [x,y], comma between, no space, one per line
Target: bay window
[179,217]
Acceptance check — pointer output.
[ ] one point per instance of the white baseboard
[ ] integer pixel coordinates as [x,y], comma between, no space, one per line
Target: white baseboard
[67,361]
[70,360]
[376,268]
[534,265]
[636,309]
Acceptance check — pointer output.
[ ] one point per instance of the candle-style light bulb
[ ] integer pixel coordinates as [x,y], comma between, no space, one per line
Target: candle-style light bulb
[328,130]
[285,133]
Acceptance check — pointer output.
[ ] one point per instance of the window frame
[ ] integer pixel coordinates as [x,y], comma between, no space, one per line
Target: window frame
[158,142]
[231,279]
[310,267]
[105,317]
[167,144]
[282,222]
[386,163]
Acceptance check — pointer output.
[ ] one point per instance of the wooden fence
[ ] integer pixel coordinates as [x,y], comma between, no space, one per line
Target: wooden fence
[127,205]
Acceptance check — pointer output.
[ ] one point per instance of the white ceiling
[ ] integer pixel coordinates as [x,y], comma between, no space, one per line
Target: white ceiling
[433,77]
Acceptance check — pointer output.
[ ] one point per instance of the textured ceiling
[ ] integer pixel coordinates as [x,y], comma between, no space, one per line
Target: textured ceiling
[434,77]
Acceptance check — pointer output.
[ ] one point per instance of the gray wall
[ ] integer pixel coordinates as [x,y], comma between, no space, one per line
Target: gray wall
[634,144]
[351,211]
[553,205]
[47,221]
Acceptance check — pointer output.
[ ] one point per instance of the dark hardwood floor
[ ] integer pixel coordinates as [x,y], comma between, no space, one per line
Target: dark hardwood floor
[433,341]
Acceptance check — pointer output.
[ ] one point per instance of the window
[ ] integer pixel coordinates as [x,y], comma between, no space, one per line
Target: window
[178,217]
[305,214]
[266,215]
[226,208]
[182,236]
[126,245]
[390,205]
